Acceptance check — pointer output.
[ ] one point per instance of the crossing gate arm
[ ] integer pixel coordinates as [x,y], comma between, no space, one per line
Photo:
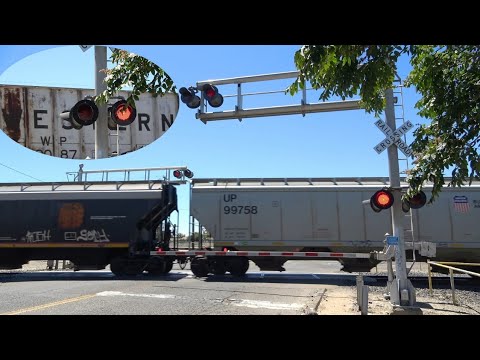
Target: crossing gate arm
[309,254]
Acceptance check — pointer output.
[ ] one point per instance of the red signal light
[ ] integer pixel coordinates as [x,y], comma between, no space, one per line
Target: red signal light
[214,98]
[177,174]
[381,200]
[418,201]
[210,93]
[123,113]
[189,98]
[84,112]
[188,173]
[415,202]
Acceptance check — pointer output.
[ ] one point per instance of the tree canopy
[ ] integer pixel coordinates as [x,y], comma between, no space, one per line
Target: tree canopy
[136,71]
[446,76]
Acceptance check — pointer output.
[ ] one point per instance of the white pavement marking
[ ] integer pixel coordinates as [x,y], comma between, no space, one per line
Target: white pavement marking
[257,304]
[119,293]
[265,304]
[315,276]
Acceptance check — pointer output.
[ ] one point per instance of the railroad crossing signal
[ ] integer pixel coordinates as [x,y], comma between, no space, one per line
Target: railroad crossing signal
[209,93]
[383,199]
[83,113]
[213,97]
[416,202]
[122,113]
[179,173]
[393,137]
[189,97]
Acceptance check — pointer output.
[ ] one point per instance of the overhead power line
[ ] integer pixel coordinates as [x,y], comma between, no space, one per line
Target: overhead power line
[8,167]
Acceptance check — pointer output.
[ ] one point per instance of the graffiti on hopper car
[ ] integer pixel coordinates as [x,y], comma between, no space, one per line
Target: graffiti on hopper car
[87,235]
[37,236]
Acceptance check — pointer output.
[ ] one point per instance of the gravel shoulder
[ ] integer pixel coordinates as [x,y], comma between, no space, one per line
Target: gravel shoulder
[343,300]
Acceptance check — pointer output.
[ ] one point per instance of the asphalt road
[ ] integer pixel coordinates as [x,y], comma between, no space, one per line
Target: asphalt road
[294,292]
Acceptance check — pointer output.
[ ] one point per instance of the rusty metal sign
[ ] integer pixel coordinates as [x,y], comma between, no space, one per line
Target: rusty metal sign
[30,116]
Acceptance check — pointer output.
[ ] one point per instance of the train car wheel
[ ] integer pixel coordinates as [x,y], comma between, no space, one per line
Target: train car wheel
[238,266]
[168,266]
[245,265]
[157,266]
[118,266]
[134,268]
[199,267]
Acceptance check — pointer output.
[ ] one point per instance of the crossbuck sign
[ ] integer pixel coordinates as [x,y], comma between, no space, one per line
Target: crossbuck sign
[85,47]
[393,137]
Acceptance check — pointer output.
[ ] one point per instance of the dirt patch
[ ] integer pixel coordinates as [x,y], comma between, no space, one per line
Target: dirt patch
[343,301]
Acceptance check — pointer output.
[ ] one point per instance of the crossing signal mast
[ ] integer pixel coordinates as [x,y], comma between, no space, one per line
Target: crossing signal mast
[86,112]
[403,292]
[210,95]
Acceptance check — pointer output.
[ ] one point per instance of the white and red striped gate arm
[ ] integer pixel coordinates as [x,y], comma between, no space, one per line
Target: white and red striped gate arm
[308,254]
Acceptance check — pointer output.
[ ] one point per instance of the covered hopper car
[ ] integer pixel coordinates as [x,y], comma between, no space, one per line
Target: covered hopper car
[92,224]
[330,215]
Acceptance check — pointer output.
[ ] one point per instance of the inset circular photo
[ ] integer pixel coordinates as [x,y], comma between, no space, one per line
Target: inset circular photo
[86,102]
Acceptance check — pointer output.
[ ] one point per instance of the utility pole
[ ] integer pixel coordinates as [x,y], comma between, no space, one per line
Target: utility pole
[402,291]
[101,125]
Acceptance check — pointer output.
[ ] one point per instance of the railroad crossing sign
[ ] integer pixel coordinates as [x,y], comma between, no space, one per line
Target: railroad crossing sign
[85,47]
[393,137]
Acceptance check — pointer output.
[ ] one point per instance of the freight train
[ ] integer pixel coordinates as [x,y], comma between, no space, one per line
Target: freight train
[123,224]
[91,223]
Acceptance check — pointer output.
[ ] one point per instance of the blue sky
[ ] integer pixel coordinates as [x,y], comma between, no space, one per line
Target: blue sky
[332,144]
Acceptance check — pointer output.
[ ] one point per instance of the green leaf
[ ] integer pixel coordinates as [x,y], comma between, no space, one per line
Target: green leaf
[135,71]
[447,77]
